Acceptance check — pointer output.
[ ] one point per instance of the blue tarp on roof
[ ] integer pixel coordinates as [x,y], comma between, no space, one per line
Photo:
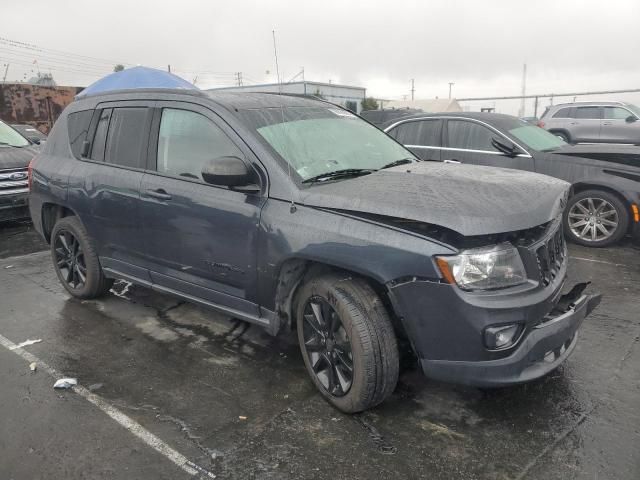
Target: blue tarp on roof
[137,77]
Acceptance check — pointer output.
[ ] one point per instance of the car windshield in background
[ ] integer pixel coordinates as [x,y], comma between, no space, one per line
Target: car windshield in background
[635,109]
[536,138]
[320,140]
[8,136]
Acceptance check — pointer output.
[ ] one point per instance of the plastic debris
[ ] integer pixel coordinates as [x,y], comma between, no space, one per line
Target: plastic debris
[33,366]
[8,267]
[95,386]
[26,343]
[242,417]
[65,383]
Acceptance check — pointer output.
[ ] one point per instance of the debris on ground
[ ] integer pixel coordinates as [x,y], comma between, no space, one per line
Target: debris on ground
[26,343]
[33,366]
[94,386]
[65,383]
[242,417]
[8,267]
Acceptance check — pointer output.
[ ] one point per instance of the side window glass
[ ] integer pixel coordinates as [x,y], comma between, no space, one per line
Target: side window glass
[563,113]
[100,137]
[78,127]
[408,133]
[187,141]
[429,132]
[127,140]
[615,113]
[469,136]
[588,113]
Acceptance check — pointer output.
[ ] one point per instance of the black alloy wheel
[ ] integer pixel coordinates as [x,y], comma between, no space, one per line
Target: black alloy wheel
[327,347]
[69,258]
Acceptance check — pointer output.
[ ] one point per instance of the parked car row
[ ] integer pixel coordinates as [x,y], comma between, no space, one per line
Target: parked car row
[293,213]
[605,178]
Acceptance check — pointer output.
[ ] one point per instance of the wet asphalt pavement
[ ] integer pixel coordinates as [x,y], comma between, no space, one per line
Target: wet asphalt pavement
[238,402]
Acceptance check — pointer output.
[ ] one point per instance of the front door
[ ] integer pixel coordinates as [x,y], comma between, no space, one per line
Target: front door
[585,127]
[200,238]
[619,126]
[468,141]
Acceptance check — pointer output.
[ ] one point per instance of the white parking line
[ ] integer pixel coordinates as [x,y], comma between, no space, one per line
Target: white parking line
[131,425]
[597,261]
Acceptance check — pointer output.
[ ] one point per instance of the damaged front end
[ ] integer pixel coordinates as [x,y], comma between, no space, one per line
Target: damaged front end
[498,314]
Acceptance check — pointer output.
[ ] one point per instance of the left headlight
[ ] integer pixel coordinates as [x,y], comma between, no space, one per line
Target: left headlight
[486,268]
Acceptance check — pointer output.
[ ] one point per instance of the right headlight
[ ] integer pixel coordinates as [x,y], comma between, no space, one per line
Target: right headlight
[486,268]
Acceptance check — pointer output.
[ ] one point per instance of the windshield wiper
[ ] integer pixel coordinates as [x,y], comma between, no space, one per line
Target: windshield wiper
[345,172]
[395,163]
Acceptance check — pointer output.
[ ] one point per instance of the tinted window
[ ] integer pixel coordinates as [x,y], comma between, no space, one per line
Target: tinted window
[616,113]
[423,132]
[470,136]
[127,139]
[100,137]
[588,112]
[187,140]
[78,126]
[563,113]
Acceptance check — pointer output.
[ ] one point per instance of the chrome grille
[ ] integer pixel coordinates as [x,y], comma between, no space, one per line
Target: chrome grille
[14,181]
[551,256]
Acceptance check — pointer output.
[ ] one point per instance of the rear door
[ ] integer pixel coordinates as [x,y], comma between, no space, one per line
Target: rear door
[468,141]
[422,137]
[200,239]
[585,126]
[617,126]
[109,195]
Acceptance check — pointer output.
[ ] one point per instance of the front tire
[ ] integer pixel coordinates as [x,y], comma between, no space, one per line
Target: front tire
[76,261]
[347,341]
[562,136]
[596,218]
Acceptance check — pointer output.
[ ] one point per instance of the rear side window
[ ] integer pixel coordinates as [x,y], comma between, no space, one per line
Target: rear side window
[127,138]
[100,137]
[423,132]
[78,127]
[588,113]
[564,113]
[187,141]
[469,136]
[616,113]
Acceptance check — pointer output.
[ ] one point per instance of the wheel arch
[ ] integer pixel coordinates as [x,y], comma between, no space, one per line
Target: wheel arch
[50,214]
[583,186]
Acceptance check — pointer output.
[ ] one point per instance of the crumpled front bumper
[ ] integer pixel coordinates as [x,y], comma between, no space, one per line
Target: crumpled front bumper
[545,347]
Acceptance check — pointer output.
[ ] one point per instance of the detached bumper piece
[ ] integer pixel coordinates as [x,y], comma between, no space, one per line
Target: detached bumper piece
[544,347]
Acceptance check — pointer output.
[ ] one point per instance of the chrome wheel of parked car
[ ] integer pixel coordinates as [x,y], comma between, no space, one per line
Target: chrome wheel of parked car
[327,347]
[596,218]
[69,258]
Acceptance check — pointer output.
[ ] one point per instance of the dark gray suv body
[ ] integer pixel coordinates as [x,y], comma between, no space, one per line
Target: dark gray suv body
[593,122]
[294,213]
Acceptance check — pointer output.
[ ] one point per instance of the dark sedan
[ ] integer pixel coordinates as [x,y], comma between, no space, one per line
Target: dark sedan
[605,178]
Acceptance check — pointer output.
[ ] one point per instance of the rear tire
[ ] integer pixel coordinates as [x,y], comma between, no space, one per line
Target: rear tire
[356,320]
[591,213]
[76,261]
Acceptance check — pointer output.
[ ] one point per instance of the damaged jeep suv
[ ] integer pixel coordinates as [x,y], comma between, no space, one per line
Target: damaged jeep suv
[293,213]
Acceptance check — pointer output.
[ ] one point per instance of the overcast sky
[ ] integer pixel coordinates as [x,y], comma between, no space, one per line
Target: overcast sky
[481,45]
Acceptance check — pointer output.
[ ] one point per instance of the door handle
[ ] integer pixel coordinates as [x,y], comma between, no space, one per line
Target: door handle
[452,161]
[158,193]
[606,123]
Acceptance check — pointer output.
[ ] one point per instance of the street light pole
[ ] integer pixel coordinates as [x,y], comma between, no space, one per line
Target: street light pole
[451,84]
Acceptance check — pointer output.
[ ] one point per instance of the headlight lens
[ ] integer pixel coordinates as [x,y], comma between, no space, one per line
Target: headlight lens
[484,268]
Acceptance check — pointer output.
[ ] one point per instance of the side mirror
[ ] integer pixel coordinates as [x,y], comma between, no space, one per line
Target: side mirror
[505,146]
[631,119]
[34,140]
[230,172]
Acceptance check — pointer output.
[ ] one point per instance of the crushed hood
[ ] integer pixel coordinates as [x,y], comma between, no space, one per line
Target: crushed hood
[469,199]
[11,157]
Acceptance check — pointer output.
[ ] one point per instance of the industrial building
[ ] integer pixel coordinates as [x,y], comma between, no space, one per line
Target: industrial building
[348,96]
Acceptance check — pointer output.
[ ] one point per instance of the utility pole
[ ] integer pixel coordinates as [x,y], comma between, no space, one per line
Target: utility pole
[169,68]
[239,78]
[6,69]
[524,91]
[451,84]
[413,89]
[275,54]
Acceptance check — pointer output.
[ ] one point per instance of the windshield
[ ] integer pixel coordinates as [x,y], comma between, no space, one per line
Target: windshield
[634,109]
[320,140]
[8,136]
[536,138]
